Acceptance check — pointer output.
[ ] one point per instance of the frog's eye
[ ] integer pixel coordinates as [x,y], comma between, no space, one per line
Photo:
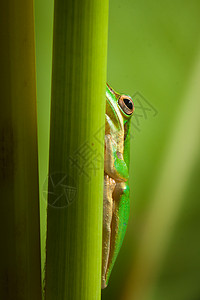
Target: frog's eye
[126,104]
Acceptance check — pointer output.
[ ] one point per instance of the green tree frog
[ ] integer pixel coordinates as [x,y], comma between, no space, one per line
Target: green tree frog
[116,203]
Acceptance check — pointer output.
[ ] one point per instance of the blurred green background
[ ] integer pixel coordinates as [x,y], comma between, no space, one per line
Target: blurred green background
[154,56]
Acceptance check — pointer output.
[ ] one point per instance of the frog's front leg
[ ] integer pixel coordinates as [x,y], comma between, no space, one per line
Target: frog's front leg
[121,208]
[109,185]
[114,164]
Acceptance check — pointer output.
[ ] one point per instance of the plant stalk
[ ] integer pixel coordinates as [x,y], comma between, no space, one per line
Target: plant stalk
[76,163]
[20,274]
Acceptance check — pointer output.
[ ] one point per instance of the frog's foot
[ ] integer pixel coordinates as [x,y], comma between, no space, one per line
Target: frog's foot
[109,185]
[103,282]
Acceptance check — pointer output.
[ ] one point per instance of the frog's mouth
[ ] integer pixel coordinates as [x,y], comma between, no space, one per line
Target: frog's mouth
[113,115]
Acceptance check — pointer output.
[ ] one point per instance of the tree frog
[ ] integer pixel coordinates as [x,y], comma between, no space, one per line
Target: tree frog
[116,203]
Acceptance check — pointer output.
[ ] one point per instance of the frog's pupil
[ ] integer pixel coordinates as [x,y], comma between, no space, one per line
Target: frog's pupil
[128,103]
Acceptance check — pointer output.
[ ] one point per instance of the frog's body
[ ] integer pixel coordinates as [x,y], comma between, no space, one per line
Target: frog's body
[119,109]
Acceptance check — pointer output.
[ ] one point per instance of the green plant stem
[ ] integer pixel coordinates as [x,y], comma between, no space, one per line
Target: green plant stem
[74,232]
[20,277]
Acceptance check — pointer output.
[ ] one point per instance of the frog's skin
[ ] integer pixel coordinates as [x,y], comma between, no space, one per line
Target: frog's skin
[116,204]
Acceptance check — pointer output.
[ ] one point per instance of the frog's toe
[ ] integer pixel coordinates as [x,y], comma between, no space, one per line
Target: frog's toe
[103,283]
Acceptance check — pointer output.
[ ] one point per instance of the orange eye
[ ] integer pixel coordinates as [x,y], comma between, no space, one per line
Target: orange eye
[126,104]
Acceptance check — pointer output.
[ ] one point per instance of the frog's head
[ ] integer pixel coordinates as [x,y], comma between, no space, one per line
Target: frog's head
[119,108]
